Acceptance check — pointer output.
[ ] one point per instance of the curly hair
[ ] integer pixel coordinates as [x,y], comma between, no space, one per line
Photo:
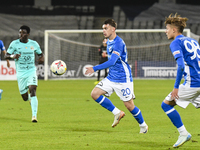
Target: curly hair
[176,21]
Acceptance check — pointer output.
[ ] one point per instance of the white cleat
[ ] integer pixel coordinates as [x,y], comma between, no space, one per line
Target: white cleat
[182,139]
[34,119]
[144,129]
[117,118]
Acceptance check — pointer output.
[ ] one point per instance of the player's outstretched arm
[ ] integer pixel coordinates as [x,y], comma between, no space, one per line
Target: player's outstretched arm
[11,56]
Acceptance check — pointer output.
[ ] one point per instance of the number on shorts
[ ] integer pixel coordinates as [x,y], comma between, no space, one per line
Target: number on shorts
[126,91]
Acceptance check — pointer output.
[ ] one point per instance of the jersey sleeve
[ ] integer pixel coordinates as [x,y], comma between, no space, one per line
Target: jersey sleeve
[107,64]
[37,48]
[118,48]
[11,48]
[176,49]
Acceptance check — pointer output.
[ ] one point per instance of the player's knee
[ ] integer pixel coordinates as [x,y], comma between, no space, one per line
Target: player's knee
[32,90]
[95,94]
[25,97]
[163,105]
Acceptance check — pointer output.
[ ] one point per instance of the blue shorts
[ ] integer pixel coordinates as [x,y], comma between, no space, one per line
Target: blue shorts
[25,81]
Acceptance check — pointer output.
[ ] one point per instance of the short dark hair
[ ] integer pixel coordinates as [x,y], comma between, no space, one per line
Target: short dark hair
[111,22]
[26,28]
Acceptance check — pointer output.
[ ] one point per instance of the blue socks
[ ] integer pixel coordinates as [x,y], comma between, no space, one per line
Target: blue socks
[172,114]
[105,102]
[34,105]
[137,115]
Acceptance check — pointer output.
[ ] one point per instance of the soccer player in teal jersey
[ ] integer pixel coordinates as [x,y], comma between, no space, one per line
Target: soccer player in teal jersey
[23,52]
[3,49]
[119,79]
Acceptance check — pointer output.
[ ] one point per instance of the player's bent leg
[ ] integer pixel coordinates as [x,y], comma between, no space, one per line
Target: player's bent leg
[168,108]
[96,92]
[172,113]
[137,114]
[25,96]
[97,95]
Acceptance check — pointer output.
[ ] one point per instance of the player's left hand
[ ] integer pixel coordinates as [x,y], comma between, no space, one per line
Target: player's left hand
[89,70]
[41,60]
[174,94]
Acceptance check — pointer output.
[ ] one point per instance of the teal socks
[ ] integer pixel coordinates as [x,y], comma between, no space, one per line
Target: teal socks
[34,105]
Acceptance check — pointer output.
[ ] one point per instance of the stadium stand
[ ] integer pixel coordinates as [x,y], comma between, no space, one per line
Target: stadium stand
[87,17]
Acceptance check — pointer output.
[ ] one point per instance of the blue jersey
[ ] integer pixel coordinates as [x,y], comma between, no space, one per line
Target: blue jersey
[188,49]
[2,47]
[120,71]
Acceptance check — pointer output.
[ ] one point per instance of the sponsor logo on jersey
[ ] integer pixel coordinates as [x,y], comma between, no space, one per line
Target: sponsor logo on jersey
[176,52]
[116,53]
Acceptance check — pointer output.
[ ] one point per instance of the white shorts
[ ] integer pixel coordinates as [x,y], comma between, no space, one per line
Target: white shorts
[187,95]
[123,90]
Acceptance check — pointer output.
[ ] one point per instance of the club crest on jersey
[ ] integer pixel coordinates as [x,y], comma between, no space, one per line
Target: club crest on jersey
[116,53]
[32,48]
[110,49]
[176,52]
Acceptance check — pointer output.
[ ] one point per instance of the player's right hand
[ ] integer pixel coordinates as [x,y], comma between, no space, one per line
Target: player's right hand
[89,70]
[16,56]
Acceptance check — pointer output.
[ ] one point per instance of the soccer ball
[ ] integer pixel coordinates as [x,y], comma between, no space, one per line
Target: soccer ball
[58,67]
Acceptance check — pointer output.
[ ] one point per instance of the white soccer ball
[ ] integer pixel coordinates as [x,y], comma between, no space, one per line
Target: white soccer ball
[58,67]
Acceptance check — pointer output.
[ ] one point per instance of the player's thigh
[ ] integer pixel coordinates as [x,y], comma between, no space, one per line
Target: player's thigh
[32,79]
[22,84]
[106,86]
[124,91]
[186,95]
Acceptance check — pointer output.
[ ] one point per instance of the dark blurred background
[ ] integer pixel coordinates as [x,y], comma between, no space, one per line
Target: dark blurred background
[89,14]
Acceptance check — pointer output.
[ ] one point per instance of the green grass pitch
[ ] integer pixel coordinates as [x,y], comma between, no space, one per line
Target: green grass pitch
[68,119]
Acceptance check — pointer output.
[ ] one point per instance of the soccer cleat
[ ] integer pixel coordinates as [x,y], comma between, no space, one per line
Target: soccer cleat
[182,139]
[144,129]
[34,119]
[1,91]
[117,118]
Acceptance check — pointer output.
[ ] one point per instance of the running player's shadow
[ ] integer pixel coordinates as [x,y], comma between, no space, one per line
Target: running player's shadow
[16,119]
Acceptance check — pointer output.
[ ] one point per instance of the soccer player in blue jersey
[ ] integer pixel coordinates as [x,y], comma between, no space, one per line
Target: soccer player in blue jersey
[119,78]
[186,52]
[23,52]
[3,49]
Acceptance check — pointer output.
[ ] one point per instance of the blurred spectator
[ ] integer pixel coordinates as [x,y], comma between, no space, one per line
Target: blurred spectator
[103,58]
